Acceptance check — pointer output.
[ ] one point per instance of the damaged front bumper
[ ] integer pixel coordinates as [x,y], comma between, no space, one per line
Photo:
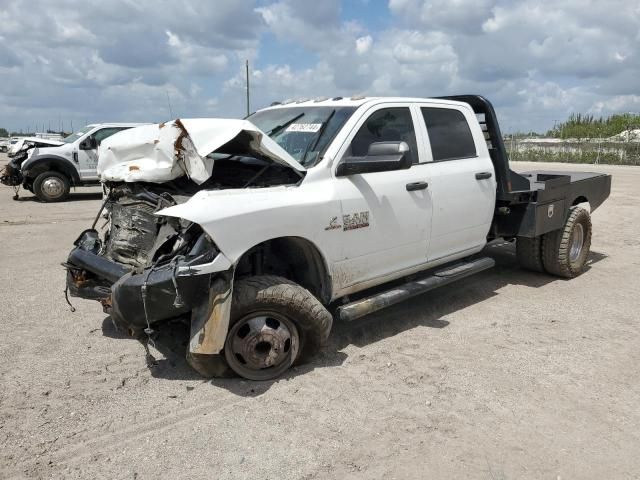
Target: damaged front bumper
[197,285]
[11,175]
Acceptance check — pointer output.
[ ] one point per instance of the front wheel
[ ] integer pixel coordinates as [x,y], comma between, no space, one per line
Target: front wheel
[274,324]
[51,187]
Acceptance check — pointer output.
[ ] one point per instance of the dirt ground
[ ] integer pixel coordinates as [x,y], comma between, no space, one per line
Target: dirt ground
[509,374]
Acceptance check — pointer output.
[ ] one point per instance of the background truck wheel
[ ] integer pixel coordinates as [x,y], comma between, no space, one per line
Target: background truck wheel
[529,253]
[51,187]
[274,324]
[565,251]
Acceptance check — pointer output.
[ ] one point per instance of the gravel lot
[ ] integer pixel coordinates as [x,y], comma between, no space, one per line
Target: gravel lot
[508,374]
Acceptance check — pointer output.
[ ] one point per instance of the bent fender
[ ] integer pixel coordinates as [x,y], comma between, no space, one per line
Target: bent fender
[209,326]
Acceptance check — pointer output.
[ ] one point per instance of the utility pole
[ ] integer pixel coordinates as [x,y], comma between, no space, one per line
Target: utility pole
[169,103]
[246,64]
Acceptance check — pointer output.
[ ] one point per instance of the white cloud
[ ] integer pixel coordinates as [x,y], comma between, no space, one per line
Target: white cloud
[619,103]
[538,60]
[117,60]
[363,44]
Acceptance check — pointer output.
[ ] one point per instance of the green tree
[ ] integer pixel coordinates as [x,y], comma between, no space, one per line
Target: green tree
[587,126]
[3,132]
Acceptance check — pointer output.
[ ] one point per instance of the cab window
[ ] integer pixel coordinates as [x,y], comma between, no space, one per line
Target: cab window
[449,134]
[386,125]
[101,134]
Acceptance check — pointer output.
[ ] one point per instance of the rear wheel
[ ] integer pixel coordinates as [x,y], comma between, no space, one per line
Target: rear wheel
[274,324]
[565,251]
[529,253]
[51,187]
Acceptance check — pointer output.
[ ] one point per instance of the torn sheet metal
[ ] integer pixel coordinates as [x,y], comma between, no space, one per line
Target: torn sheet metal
[32,141]
[162,152]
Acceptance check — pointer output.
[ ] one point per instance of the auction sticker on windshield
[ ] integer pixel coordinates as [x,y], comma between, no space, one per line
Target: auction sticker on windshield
[304,127]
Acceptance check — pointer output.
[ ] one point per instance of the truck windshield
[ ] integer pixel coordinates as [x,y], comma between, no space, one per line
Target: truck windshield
[76,135]
[307,130]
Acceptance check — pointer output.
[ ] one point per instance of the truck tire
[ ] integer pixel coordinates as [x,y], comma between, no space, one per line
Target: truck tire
[529,253]
[565,251]
[51,187]
[274,324]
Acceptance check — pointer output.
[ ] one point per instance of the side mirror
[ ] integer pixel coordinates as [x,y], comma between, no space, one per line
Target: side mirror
[381,157]
[89,143]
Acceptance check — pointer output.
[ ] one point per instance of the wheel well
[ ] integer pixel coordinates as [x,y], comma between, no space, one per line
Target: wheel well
[294,258]
[55,165]
[581,199]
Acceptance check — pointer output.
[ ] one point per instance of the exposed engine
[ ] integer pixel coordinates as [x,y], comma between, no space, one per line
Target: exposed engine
[136,237]
[134,229]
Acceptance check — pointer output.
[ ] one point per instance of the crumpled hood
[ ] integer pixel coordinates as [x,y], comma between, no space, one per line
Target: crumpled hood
[162,152]
[48,141]
[15,148]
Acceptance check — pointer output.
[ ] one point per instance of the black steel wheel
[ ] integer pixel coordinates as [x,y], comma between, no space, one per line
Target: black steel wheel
[274,324]
[262,345]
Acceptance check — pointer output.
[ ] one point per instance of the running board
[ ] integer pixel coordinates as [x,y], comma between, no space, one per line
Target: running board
[359,308]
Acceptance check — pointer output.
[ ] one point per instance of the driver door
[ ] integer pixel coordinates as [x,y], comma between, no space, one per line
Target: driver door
[385,222]
[88,152]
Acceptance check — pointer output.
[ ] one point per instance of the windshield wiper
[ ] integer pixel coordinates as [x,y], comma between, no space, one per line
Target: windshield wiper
[278,128]
[314,142]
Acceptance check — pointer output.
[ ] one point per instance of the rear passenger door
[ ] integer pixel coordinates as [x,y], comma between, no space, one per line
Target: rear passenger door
[463,184]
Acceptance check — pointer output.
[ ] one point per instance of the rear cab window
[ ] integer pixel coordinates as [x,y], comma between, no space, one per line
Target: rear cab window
[449,134]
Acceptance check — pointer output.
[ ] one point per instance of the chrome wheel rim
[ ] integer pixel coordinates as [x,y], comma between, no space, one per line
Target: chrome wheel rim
[53,187]
[577,242]
[262,345]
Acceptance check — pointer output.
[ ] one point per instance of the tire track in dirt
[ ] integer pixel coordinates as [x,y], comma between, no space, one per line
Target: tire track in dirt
[107,441]
[14,223]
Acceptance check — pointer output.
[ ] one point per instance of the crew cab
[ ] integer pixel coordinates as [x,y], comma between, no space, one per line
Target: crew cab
[258,233]
[52,168]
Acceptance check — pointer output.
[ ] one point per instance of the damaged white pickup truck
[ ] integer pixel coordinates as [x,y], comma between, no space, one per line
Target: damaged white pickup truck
[259,232]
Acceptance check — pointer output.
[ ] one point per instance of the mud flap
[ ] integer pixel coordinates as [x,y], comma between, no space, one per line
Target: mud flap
[209,326]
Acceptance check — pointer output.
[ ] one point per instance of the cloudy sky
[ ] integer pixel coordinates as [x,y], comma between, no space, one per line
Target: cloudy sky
[125,60]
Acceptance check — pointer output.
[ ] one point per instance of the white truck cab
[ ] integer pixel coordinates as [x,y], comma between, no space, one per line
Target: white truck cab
[50,172]
[260,232]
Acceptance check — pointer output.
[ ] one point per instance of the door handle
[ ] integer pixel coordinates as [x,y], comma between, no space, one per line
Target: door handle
[412,187]
[483,175]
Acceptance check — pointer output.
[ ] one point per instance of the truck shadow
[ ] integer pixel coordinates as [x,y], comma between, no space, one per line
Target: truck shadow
[430,309]
[29,197]
[426,310]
